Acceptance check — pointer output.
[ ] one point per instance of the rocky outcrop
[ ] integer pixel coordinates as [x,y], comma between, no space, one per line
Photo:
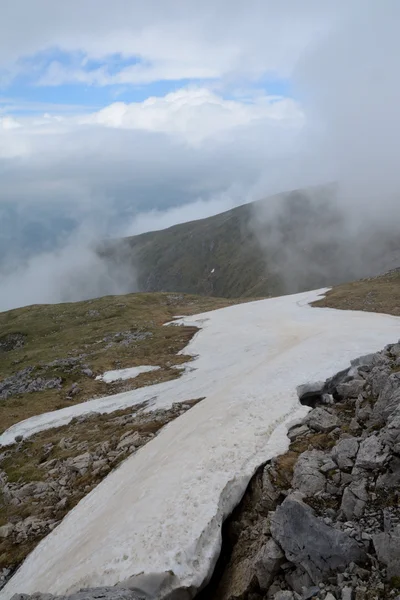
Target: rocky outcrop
[331,504]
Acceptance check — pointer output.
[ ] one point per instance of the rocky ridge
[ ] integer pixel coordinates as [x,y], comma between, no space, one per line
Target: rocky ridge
[323,520]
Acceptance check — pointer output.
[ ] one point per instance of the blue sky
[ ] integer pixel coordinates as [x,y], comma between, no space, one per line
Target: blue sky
[28,93]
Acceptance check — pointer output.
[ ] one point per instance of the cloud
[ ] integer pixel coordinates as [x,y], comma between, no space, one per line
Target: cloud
[73,272]
[195,114]
[193,151]
[165,41]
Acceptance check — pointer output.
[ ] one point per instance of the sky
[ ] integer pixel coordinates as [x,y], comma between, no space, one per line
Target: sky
[119,116]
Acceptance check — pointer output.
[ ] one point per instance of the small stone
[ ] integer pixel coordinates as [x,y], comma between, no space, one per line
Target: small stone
[19,438]
[6,530]
[347,593]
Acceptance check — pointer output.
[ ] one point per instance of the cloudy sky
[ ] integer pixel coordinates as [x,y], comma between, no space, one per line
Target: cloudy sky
[120,116]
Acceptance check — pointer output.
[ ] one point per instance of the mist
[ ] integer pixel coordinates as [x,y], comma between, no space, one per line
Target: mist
[213,145]
[350,96]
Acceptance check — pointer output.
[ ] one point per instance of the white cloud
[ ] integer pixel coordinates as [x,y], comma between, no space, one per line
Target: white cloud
[173,40]
[197,113]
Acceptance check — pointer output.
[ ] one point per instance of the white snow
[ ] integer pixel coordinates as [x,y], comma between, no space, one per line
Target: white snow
[212,271]
[121,374]
[162,509]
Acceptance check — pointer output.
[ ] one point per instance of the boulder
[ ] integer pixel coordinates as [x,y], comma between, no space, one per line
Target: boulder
[372,454]
[307,477]
[309,542]
[321,420]
[345,452]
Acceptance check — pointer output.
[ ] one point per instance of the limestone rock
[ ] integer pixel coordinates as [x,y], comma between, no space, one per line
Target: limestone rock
[354,499]
[387,547]
[345,452]
[6,530]
[307,541]
[351,389]
[372,453]
[307,477]
[129,440]
[267,563]
[296,431]
[321,420]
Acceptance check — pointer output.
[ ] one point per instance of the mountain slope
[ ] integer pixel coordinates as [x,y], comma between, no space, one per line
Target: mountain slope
[284,244]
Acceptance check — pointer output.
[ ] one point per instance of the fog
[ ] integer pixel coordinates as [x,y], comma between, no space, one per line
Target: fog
[213,145]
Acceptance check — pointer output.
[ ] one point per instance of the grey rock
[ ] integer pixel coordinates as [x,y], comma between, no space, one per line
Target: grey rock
[19,438]
[395,350]
[129,440]
[391,477]
[307,477]
[6,530]
[296,431]
[347,593]
[388,400]
[354,499]
[298,580]
[345,452]
[321,420]
[81,462]
[328,465]
[87,372]
[372,453]
[307,541]
[330,596]
[351,389]
[267,563]
[377,380]
[387,548]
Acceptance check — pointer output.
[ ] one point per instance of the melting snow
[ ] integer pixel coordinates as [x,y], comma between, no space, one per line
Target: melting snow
[120,374]
[161,510]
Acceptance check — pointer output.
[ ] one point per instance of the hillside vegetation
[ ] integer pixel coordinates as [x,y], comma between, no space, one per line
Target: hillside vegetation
[284,244]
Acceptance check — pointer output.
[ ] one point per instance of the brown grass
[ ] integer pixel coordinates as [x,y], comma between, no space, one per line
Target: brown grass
[378,294]
[85,328]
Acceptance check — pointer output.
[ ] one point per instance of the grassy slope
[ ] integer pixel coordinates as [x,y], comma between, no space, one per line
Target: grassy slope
[284,244]
[86,328]
[182,257]
[377,294]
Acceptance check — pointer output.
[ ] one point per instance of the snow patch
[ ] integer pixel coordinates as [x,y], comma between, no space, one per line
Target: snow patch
[122,374]
[161,511]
